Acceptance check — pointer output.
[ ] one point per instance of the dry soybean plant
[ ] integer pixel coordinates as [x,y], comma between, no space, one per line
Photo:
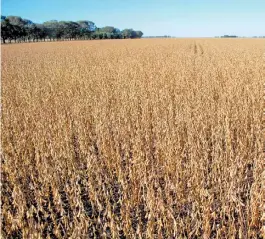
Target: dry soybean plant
[156,138]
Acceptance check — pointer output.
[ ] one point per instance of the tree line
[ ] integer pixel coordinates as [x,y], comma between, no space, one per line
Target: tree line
[17,29]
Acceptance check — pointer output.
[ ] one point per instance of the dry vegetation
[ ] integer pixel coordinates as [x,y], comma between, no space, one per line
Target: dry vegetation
[133,139]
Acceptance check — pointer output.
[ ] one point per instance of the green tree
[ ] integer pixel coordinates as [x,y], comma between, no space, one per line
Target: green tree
[108,29]
[139,34]
[128,33]
[14,20]
[6,29]
[70,30]
[42,33]
[54,29]
[110,32]
[17,29]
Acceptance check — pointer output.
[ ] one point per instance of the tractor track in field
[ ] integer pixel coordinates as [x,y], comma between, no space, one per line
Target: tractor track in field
[197,49]
[201,49]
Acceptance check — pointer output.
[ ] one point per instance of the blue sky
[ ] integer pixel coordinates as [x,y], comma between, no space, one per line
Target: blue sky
[181,18]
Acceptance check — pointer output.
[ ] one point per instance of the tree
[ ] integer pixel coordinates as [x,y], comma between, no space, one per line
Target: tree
[17,30]
[139,34]
[6,29]
[87,25]
[128,33]
[54,29]
[42,32]
[69,29]
[27,22]
[110,32]
[35,32]
[14,20]
[108,29]
[86,28]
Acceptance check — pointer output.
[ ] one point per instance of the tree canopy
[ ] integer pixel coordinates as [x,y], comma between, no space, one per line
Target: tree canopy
[15,28]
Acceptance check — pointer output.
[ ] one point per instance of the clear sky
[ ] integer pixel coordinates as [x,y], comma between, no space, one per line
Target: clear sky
[181,18]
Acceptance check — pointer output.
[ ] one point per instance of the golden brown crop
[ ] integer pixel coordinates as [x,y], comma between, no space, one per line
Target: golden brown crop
[156,138]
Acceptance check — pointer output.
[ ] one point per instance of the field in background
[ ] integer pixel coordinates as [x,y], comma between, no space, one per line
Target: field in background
[146,138]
